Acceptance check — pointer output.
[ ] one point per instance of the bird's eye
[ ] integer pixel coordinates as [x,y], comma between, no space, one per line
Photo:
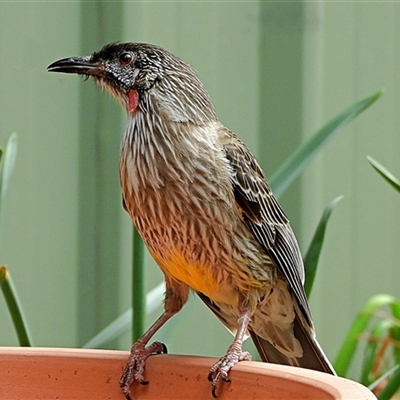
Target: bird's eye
[125,58]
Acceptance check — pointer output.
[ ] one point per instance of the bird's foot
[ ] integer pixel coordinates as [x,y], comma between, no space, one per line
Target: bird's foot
[220,370]
[134,368]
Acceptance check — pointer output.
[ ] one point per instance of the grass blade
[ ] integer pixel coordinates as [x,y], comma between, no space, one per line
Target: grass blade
[124,322]
[7,167]
[359,326]
[112,331]
[314,250]
[10,156]
[387,175]
[13,304]
[295,164]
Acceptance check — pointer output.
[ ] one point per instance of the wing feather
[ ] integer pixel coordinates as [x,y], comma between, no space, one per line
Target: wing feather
[264,216]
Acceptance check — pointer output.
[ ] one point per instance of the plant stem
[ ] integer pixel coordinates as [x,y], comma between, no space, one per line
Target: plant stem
[14,307]
[138,291]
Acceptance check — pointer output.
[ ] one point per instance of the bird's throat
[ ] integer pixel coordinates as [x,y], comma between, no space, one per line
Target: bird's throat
[133,100]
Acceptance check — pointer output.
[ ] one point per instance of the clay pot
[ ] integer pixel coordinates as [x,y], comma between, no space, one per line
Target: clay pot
[43,373]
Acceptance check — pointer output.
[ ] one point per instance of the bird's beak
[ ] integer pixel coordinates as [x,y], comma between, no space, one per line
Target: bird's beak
[77,65]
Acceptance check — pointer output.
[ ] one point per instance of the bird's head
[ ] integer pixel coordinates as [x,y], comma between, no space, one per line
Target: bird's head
[145,78]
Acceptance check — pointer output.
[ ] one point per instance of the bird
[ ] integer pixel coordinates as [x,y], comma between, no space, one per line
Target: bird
[206,212]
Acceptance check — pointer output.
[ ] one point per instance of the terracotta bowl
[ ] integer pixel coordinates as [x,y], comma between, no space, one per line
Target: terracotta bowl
[44,373]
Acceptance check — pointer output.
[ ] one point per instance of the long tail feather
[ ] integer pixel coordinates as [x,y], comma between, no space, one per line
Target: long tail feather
[313,356]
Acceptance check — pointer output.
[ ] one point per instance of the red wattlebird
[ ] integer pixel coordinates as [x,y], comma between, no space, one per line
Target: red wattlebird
[205,210]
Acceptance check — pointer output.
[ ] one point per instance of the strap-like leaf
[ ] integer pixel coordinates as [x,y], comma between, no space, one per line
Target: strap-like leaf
[123,323]
[8,165]
[10,155]
[314,250]
[387,175]
[295,164]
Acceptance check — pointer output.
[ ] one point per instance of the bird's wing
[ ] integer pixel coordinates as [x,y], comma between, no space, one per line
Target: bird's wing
[264,216]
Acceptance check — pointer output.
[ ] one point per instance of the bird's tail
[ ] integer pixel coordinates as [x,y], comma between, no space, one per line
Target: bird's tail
[313,356]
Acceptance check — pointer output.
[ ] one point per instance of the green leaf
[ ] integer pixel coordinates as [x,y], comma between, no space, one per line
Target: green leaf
[124,322]
[314,250]
[112,331]
[13,304]
[387,175]
[10,155]
[392,386]
[360,324]
[295,164]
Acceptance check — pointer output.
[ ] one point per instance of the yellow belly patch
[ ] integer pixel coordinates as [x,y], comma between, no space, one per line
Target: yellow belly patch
[202,278]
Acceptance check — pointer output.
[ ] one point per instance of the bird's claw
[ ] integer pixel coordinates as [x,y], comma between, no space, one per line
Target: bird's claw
[134,368]
[220,370]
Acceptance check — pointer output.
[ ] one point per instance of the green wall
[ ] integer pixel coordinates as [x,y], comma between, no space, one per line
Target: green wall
[276,72]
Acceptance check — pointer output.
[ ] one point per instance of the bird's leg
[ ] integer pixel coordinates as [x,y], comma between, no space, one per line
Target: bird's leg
[133,370]
[233,355]
[176,296]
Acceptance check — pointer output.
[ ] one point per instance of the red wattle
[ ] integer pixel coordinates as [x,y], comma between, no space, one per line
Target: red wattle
[133,100]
